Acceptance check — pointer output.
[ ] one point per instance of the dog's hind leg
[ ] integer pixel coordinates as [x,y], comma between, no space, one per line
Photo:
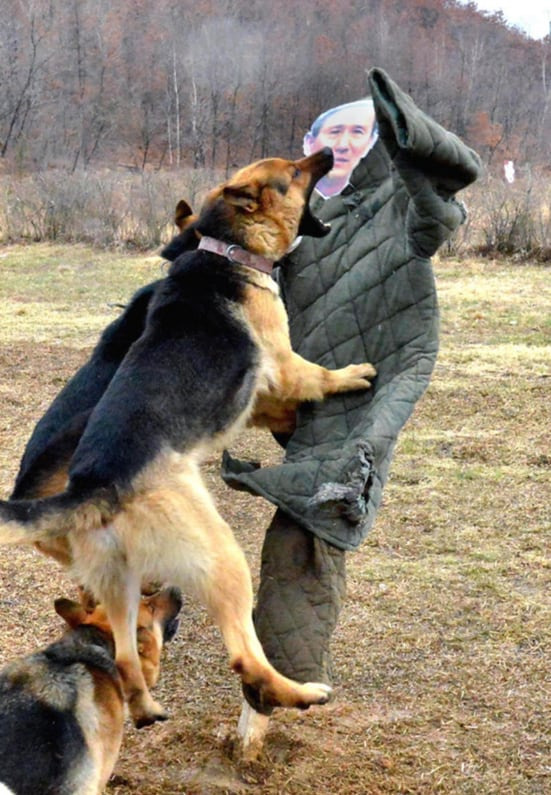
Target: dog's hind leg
[117,586]
[178,536]
[214,565]
[122,607]
[228,596]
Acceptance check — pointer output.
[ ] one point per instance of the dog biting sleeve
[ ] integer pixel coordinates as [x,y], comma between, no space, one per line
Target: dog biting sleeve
[366,293]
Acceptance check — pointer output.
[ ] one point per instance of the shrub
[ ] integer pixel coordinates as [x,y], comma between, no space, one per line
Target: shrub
[510,220]
[102,208]
[114,208]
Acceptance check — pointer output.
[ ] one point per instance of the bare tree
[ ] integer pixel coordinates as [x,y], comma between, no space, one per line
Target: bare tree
[214,84]
[22,60]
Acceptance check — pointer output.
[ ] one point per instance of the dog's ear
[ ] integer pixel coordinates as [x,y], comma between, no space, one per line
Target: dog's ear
[185,220]
[71,612]
[182,214]
[244,195]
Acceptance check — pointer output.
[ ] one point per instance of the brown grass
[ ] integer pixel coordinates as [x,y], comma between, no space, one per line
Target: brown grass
[442,655]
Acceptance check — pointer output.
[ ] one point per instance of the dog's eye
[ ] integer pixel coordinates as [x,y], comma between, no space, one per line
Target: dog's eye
[296,173]
[281,186]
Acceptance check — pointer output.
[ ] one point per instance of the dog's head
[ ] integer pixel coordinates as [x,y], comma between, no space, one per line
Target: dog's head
[262,208]
[157,624]
[265,205]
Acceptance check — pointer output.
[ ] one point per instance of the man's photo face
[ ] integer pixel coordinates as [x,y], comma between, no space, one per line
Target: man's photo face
[348,132]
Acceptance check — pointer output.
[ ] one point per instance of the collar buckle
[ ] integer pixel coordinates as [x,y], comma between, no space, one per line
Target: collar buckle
[233,247]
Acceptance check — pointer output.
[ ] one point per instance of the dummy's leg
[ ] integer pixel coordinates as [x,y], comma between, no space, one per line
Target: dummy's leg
[301,591]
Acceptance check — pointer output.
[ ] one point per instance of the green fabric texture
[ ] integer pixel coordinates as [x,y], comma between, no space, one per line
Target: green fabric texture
[366,292]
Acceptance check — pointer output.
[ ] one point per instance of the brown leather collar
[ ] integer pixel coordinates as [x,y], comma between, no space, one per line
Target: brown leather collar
[235,253]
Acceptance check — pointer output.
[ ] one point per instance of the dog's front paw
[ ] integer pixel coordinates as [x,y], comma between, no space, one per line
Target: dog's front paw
[355,376]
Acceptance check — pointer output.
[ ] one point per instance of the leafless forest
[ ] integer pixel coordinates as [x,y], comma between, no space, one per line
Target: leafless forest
[212,84]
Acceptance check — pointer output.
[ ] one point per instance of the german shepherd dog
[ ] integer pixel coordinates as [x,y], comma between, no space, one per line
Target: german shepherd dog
[214,354]
[45,462]
[63,707]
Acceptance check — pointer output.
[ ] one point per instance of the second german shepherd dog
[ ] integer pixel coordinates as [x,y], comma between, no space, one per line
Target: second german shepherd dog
[63,707]
[215,354]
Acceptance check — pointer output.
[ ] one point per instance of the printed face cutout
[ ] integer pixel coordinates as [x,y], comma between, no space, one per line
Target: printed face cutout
[350,131]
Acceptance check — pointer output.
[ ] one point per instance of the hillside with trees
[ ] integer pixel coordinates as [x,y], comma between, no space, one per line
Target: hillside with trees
[214,84]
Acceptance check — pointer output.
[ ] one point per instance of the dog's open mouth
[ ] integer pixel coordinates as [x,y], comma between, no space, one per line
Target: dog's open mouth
[318,164]
[312,226]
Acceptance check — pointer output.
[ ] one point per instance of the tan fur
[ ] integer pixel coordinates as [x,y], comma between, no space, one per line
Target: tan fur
[169,529]
[54,484]
[292,379]
[268,226]
[56,548]
[105,738]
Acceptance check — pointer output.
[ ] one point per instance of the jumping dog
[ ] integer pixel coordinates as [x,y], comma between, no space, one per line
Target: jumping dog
[214,354]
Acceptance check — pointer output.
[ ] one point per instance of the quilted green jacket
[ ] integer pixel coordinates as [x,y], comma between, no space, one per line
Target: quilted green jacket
[366,292]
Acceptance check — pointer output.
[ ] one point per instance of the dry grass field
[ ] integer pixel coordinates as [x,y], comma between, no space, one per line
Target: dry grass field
[442,657]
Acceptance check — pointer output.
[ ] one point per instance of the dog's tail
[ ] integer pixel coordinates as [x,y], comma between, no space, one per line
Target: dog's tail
[27,521]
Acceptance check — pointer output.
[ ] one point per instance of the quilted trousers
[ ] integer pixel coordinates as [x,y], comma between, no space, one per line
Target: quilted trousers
[302,588]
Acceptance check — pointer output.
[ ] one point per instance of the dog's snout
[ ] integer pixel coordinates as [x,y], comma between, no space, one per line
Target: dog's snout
[174,595]
[318,164]
[325,158]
